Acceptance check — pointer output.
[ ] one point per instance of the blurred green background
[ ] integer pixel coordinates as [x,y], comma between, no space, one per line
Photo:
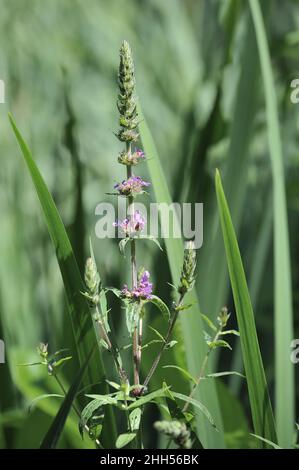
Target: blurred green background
[199,83]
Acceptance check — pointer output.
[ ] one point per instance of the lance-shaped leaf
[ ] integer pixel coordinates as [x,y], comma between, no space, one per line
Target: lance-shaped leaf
[260,403]
[80,317]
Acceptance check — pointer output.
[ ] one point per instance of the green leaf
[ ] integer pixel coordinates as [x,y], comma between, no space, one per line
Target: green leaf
[157,333]
[51,438]
[191,324]
[42,397]
[260,403]
[87,413]
[184,372]
[57,364]
[122,245]
[80,317]
[229,332]
[147,398]
[171,344]
[103,399]
[272,444]
[209,322]
[153,341]
[30,364]
[223,374]
[176,413]
[150,238]
[103,301]
[135,418]
[196,404]
[132,315]
[124,439]
[219,343]
[182,307]
[113,384]
[115,291]
[160,305]
[284,333]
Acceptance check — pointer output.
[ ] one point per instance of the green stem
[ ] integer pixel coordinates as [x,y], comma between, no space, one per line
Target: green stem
[136,335]
[166,340]
[202,371]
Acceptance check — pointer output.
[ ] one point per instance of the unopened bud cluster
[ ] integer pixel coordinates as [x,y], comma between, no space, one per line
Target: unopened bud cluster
[126,102]
[177,431]
[223,317]
[42,350]
[187,279]
[92,282]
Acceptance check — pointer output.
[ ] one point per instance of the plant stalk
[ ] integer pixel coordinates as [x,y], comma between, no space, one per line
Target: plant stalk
[166,340]
[136,336]
[202,371]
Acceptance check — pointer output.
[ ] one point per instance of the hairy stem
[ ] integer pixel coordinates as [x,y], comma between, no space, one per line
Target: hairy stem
[166,340]
[136,348]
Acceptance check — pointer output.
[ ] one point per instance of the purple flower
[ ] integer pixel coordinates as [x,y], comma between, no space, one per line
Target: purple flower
[143,291]
[139,153]
[132,225]
[145,287]
[131,158]
[132,186]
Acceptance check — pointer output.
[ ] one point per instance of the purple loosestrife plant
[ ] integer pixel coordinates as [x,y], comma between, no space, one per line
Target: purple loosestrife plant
[130,188]
[139,294]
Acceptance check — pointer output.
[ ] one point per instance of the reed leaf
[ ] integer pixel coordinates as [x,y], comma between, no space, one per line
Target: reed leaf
[80,317]
[284,369]
[261,409]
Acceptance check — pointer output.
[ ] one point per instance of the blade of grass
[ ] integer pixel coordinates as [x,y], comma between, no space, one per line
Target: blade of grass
[255,283]
[284,369]
[191,323]
[81,321]
[261,409]
[51,438]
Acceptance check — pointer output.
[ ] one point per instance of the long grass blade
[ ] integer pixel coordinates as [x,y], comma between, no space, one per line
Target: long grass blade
[284,369]
[261,409]
[51,438]
[81,321]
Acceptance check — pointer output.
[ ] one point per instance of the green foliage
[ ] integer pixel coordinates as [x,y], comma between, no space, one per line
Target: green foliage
[284,333]
[51,438]
[261,408]
[214,96]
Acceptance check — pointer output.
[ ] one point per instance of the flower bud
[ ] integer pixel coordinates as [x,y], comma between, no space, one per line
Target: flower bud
[92,282]
[177,431]
[223,317]
[42,350]
[187,279]
[126,100]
